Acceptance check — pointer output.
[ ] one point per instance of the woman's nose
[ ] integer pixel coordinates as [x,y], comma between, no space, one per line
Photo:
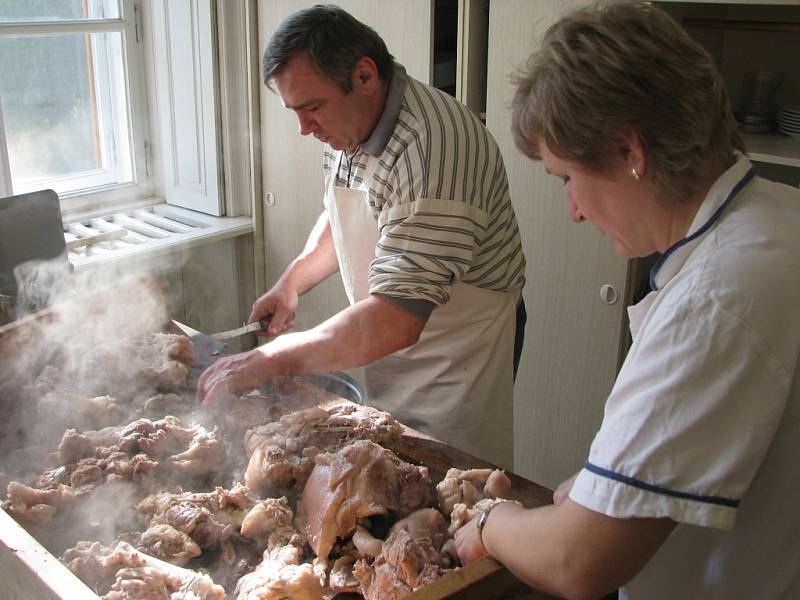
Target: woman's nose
[574,212]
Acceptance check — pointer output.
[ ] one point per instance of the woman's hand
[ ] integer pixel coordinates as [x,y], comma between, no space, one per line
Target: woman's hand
[468,544]
[232,375]
[563,489]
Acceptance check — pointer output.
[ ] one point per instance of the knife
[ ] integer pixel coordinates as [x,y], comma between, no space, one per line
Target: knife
[260,325]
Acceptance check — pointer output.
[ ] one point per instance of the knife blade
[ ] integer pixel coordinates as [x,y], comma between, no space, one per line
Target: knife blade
[260,325]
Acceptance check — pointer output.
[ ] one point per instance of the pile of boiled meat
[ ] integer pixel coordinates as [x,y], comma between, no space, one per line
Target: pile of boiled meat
[143,495]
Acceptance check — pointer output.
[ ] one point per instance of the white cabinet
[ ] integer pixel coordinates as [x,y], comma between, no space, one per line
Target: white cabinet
[573,335]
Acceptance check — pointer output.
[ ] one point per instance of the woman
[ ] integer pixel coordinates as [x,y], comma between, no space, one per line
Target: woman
[691,486]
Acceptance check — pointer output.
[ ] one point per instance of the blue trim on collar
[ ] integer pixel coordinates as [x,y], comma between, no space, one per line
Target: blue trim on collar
[706,226]
[660,490]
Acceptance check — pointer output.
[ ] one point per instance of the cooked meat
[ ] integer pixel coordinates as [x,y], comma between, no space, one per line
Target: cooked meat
[470,486]
[30,505]
[463,514]
[210,519]
[360,480]
[403,566]
[366,543]
[410,557]
[191,451]
[341,579]
[148,484]
[94,458]
[281,453]
[232,505]
[88,561]
[175,347]
[157,438]
[143,577]
[206,454]
[87,473]
[74,447]
[164,541]
[498,485]
[281,575]
[274,471]
[424,523]
[161,362]
[266,516]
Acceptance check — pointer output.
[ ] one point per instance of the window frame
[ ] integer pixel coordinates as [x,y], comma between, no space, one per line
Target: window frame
[129,26]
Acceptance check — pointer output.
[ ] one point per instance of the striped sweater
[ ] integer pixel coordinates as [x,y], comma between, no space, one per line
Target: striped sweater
[439,193]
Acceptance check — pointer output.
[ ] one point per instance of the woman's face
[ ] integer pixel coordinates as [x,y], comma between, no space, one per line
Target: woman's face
[611,200]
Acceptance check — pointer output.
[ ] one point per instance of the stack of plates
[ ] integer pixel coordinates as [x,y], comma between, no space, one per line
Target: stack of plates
[789,120]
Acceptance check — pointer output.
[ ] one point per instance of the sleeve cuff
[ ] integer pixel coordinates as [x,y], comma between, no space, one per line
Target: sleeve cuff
[623,500]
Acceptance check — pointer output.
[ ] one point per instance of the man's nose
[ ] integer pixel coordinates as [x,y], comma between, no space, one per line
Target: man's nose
[307,124]
[574,212]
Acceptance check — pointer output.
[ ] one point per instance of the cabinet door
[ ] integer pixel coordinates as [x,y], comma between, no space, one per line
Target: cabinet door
[292,165]
[572,339]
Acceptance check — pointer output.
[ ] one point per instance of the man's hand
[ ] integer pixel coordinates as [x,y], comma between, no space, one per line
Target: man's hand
[279,303]
[232,375]
[314,264]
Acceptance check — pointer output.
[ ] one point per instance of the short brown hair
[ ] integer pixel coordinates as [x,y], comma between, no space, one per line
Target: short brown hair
[618,65]
[334,42]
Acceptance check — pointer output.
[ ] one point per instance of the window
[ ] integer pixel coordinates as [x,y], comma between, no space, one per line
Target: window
[71,100]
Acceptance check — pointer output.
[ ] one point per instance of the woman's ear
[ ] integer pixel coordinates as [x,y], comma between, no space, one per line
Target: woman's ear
[633,153]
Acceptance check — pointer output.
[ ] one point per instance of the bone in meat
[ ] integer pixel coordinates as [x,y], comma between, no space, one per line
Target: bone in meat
[143,577]
[31,505]
[360,480]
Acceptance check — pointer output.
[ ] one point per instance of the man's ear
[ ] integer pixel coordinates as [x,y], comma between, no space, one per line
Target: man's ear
[365,76]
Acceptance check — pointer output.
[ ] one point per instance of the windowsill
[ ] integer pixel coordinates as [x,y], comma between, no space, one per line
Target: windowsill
[138,233]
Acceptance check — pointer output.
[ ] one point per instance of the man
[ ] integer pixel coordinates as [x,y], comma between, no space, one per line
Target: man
[418,222]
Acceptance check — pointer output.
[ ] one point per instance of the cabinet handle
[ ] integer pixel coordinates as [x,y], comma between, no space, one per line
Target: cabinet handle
[608,294]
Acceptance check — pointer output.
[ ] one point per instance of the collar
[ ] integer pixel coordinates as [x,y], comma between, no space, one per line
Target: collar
[721,194]
[377,140]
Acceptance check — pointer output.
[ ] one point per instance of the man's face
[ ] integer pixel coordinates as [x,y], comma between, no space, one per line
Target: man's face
[322,108]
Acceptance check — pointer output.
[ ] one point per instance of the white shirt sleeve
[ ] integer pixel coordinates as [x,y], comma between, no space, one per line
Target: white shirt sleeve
[690,417]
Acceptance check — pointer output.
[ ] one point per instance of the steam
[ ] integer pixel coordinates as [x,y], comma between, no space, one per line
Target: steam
[48,382]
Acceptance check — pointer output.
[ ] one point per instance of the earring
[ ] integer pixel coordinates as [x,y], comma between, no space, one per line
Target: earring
[634,174]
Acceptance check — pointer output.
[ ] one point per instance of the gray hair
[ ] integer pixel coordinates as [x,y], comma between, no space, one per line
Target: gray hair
[613,66]
[334,42]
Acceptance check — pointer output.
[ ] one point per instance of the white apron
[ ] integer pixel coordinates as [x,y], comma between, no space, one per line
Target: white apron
[455,384]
